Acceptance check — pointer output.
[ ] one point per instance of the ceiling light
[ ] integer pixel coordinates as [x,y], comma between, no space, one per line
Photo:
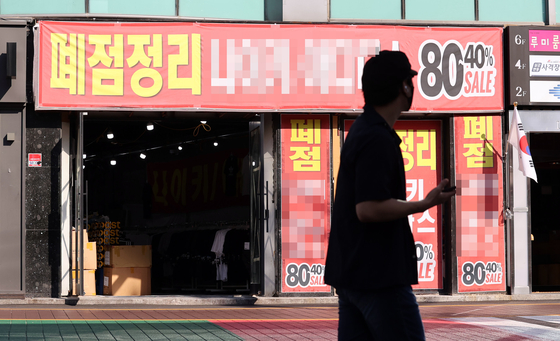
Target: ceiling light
[84,156]
[142,156]
[215,143]
[113,162]
[203,122]
[180,147]
[110,135]
[150,126]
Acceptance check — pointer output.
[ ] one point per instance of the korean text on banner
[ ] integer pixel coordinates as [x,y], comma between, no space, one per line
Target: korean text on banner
[306,201]
[518,140]
[422,156]
[421,152]
[480,241]
[118,66]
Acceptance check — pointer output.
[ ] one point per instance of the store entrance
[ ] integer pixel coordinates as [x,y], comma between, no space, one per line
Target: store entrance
[545,206]
[180,185]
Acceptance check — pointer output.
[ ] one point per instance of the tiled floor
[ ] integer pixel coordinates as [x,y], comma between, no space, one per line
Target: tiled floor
[473,321]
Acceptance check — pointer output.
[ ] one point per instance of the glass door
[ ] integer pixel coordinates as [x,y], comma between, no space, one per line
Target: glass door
[77,233]
[257,205]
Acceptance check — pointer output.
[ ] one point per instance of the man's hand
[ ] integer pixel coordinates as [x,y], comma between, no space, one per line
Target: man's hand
[392,209]
[437,196]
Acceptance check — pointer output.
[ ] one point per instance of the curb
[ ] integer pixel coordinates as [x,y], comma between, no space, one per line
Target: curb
[243,300]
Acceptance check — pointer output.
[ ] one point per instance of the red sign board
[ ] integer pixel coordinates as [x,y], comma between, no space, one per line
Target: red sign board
[111,66]
[421,150]
[34,160]
[480,241]
[306,201]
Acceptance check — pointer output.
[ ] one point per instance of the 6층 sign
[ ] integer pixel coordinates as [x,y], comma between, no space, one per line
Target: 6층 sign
[534,65]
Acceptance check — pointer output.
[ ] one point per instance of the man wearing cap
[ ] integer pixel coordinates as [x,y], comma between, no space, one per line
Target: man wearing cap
[371,259]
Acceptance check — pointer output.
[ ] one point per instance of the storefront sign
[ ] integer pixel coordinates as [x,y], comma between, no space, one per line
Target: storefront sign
[112,66]
[534,65]
[421,150]
[220,179]
[480,224]
[306,201]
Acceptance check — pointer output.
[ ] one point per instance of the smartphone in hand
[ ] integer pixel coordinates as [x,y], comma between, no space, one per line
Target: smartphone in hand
[449,189]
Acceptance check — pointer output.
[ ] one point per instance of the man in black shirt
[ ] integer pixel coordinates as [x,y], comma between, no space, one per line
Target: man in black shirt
[371,259]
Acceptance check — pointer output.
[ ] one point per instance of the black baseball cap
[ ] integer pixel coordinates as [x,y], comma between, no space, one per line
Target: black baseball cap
[388,67]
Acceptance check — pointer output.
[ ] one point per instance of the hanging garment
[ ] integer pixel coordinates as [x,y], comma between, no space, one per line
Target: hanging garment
[218,249]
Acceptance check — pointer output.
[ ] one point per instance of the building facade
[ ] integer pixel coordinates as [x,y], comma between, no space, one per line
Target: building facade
[210,132]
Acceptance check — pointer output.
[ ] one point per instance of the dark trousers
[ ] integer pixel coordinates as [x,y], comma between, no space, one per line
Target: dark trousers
[380,315]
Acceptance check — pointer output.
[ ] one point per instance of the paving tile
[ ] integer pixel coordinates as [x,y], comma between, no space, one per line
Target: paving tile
[455,321]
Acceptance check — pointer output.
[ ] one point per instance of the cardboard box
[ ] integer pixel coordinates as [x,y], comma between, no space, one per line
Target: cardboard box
[89,282]
[128,281]
[85,237]
[129,256]
[90,257]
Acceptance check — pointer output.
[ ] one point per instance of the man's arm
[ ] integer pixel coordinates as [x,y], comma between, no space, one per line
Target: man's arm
[392,209]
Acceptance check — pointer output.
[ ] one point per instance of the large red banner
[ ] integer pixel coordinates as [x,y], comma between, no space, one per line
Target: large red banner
[480,225]
[306,201]
[421,150]
[111,66]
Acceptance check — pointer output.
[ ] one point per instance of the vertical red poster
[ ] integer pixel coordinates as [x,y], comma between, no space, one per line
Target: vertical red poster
[480,225]
[421,150]
[306,201]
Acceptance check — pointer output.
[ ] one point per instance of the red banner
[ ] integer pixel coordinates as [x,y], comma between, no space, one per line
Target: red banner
[421,149]
[108,66]
[306,201]
[480,226]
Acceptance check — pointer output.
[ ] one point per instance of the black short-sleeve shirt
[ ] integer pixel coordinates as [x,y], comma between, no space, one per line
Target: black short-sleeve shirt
[363,256]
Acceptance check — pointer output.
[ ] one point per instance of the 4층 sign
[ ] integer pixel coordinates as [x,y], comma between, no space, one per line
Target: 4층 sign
[534,65]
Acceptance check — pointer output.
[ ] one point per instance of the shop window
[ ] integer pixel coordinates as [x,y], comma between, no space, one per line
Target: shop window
[512,10]
[366,9]
[457,10]
[226,9]
[44,7]
[140,7]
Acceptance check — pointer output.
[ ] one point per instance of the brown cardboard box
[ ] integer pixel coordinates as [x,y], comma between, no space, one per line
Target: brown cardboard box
[89,282]
[90,252]
[85,238]
[129,256]
[127,281]
[90,257]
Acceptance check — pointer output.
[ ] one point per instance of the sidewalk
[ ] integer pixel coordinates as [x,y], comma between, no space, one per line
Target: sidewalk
[247,300]
[465,321]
